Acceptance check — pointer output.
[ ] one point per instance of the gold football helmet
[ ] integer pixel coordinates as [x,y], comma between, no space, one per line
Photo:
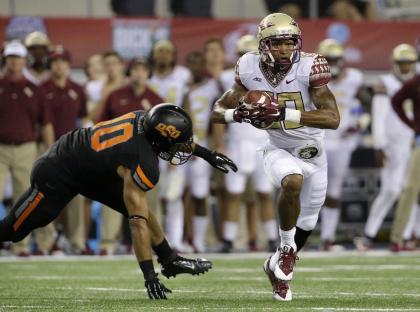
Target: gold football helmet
[333,51]
[246,44]
[404,58]
[36,38]
[274,27]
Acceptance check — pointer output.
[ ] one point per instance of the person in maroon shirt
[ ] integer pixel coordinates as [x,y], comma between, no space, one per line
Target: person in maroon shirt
[135,96]
[22,113]
[410,90]
[67,103]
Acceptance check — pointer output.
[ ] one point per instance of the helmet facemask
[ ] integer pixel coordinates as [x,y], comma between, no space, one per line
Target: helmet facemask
[178,153]
[406,74]
[336,65]
[268,46]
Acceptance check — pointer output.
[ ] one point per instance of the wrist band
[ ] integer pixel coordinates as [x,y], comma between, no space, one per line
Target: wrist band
[292,115]
[229,115]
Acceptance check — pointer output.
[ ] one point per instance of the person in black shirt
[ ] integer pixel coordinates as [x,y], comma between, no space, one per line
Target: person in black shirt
[116,162]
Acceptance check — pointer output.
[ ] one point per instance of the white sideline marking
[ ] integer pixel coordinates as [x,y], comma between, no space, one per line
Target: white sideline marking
[299,294]
[217,256]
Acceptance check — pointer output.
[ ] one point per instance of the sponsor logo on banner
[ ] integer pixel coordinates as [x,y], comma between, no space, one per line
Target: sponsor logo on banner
[135,37]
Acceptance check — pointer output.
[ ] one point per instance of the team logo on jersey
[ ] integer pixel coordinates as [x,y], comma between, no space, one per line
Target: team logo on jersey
[257,79]
[73,94]
[28,92]
[308,152]
[168,130]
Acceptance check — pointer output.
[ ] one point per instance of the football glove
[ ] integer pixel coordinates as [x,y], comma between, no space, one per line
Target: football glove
[217,160]
[181,265]
[155,289]
[269,113]
[242,113]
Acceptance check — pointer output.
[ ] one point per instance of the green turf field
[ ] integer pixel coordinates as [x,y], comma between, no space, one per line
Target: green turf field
[348,282]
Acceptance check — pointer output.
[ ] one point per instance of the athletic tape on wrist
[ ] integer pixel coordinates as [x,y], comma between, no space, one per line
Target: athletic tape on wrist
[229,115]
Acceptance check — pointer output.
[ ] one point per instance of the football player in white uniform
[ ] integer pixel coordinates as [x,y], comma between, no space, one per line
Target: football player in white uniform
[243,141]
[294,159]
[392,140]
[198,103]
[171,81]
[347,86]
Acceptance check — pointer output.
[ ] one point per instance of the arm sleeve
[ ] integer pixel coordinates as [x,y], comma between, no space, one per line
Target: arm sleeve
[381,107]
[320,72]
[397,103]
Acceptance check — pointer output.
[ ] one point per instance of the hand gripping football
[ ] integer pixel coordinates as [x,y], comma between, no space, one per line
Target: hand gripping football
[254,100]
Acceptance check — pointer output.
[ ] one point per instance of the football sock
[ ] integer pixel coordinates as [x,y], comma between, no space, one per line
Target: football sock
[329,222]
[380,207]
[229,230]
[288,238]
[199,231]
[174,222]
[270,229]
[164,251]
[301,237]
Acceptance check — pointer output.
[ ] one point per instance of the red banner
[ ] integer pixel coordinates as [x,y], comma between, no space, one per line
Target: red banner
[368,44]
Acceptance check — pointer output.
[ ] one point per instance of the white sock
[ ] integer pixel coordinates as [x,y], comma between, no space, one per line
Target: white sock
[380,207]
[174,221]
[288,238]
[229,230]
[329,222]
[270,228]
[200,224]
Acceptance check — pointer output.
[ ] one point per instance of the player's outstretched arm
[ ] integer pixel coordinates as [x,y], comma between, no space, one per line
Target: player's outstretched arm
[138,216]
[217,160]
[226,109]
[326,116]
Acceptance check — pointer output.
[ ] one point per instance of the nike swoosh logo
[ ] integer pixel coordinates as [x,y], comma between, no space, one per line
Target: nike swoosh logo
[289,81]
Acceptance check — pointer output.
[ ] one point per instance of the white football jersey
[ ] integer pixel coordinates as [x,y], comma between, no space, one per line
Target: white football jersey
[395,127]
[238,131]
[172,87]
[345,91]
[201,99]
[292,91]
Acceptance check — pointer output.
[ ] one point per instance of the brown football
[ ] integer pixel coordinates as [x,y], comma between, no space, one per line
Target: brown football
[256,97]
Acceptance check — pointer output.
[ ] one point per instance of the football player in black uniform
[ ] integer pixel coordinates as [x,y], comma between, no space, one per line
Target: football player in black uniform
[116,162]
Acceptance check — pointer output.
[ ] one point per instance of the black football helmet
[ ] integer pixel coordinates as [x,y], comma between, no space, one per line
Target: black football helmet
[169,129]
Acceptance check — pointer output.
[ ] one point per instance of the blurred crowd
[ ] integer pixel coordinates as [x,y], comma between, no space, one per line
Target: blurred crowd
[200,209]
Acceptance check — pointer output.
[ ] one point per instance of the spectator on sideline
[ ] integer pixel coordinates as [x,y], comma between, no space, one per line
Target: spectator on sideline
[22,110]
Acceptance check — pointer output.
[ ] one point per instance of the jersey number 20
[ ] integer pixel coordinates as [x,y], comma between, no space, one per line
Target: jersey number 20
[109,133]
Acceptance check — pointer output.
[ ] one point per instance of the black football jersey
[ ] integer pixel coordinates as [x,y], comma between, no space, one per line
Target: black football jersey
[92,155]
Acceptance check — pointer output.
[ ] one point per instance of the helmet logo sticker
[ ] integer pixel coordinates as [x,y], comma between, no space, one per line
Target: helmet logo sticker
[168,130]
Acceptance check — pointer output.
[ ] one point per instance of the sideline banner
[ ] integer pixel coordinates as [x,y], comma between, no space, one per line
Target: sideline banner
[368,44]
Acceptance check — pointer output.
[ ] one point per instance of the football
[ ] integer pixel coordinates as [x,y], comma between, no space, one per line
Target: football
[253,99]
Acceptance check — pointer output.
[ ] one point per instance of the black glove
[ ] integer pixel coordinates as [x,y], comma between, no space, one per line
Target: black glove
[155,289]
[217,160]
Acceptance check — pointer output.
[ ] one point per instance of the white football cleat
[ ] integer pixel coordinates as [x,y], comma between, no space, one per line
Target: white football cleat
[284,267]
[281,289]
